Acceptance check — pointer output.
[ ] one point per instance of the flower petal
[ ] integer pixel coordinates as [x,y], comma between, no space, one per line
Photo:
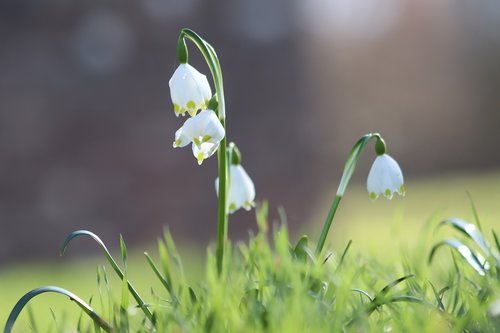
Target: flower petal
[205,125]
[241,189]
[204,151]
[189,90]
[180,139]
[385,178]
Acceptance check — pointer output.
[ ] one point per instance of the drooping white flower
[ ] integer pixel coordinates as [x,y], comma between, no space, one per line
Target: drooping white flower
[204,131]
[241,189]
[385,178]
[189,90]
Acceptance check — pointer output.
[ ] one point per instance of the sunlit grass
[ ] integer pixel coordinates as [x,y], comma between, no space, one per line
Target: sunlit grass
[385,231]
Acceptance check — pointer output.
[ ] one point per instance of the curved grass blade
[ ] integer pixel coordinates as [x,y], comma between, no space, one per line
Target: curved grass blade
[362,292]
[472,232]
[388,287]
[464,251]
[113,264]
[35,292]
[376,303]
[380,298]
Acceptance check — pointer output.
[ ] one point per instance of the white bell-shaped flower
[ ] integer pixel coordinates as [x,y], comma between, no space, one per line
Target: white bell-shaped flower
[189,89]
[385,178]
[204,131]
[241,189]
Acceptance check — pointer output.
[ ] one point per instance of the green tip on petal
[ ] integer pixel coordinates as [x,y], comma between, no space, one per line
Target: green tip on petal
[232,206]
[200,158]
[402,189]
[373,196]
[191,105]
[388,192]
[206,138]
[197,142]
[177,143]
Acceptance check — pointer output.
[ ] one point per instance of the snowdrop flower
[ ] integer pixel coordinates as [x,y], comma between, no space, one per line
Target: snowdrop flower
[241,189]
[189,89]
[204,131]
[385,178]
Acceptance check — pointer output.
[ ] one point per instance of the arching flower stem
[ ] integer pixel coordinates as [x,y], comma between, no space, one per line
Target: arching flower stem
[210,56]
[349,167]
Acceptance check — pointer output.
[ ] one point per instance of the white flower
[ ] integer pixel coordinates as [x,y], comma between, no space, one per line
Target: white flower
[385,178]
[241,189]
[204,131]
[189,89]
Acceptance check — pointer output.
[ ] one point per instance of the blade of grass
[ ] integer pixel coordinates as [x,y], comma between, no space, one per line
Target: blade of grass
[166,283]
[470,230]
[464,251]
[51,289]
[113,264]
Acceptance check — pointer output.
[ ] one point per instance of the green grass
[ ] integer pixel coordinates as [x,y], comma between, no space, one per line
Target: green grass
[266,288]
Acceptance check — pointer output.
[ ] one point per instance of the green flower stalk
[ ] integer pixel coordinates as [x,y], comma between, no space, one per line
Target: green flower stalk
[385,178]
[190,93]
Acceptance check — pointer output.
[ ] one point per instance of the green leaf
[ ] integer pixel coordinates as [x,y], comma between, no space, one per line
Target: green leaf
[166,282]
[438,296]
[464,251]
[51,289]
[261,214]
[113,264]
[348,246]
[123,249]
[364,293]
[300,248]
[471,231]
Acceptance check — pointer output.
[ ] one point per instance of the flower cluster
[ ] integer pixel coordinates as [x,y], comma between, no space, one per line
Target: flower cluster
[190,92]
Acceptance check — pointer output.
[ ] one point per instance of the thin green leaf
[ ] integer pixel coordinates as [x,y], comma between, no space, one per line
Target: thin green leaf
[112,262]
[497,242]
[439,299]
[299,250]
[173,251]
[464,251]
[342,257]
[51,289]
[124,295]
[471,231]
[123,249]
[31,319]
[362,292]
[261,214]
[166,283]
[474,211]
[165,261]
[54,319]
[394,283]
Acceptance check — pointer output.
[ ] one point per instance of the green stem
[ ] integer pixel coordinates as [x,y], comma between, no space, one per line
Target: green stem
[222,212]
[349,167]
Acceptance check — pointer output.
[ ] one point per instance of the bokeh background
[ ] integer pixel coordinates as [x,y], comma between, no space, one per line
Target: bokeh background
[86,122]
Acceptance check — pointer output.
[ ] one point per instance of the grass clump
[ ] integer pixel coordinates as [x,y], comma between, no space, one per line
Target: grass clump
[270,284]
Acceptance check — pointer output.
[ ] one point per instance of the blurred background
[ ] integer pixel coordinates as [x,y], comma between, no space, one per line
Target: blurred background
[86,121]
